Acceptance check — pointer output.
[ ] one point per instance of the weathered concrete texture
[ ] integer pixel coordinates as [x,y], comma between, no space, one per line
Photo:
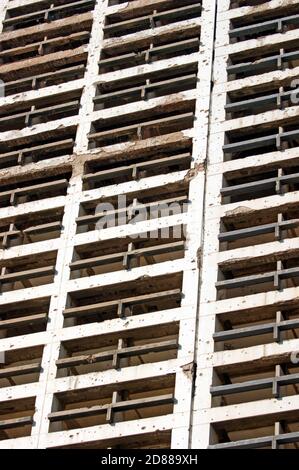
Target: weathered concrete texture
[229,418]
[3,7]
[118,318]
[168,371]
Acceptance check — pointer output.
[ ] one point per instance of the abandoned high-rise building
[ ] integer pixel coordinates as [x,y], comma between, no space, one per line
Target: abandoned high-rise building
[149,212]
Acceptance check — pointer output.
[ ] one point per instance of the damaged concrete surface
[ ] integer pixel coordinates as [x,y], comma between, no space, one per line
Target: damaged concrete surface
[177,331]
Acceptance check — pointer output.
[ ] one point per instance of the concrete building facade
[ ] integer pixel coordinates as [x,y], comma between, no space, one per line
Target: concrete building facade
[149,213]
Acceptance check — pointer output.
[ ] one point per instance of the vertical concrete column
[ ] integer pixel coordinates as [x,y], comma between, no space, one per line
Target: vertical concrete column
[209,306]
[201,432]
[91,76]
[45,399]
[185,380]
